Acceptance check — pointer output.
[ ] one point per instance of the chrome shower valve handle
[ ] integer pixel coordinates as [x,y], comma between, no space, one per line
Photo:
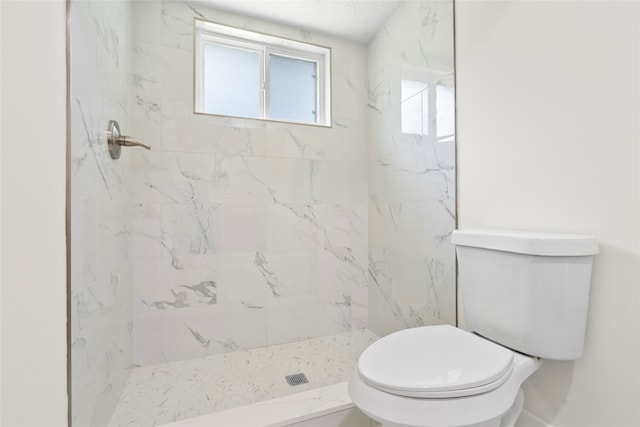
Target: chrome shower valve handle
[115,140]
[129,141]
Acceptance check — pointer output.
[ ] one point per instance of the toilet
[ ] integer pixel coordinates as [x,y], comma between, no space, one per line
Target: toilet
[524,296]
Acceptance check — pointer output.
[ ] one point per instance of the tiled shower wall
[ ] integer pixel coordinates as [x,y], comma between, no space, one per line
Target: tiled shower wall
[411,177]
[101,351]
[244,233]
[235,233]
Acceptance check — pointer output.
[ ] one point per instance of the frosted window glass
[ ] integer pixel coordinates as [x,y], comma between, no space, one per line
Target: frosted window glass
[292,89]
[231,81]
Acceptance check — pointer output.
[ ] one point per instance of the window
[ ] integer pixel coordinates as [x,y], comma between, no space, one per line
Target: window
[245,74]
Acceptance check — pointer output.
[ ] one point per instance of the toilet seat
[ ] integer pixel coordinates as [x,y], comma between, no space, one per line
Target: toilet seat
[443,362]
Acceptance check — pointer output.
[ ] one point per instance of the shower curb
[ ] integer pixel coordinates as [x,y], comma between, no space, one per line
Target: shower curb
[279,412]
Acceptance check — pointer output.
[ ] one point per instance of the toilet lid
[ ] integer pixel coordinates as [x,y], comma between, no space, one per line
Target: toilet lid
[435,362]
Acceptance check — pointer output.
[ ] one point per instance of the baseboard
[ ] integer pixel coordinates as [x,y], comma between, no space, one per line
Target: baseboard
[527,419]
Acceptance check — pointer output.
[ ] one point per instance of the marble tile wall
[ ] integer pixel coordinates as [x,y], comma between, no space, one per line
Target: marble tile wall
[411,265]
[101,273]
[234,234]
[244,233]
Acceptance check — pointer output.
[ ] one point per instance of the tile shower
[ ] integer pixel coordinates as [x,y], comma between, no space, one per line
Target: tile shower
[234,234]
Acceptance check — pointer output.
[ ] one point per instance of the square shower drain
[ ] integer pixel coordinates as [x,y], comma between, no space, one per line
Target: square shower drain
[296,379]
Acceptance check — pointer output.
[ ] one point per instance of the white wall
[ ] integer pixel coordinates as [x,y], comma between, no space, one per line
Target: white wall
[547,101]
[33,206]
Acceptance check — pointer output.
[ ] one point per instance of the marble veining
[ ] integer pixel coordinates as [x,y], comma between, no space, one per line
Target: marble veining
[244,233]
[101,275]
[163,393]
[235,234]
[411,262]
[203,292]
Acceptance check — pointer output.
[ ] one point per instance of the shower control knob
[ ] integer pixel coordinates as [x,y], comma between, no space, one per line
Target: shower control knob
[115,140]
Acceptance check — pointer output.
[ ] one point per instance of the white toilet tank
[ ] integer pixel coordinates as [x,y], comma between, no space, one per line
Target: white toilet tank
[527,291]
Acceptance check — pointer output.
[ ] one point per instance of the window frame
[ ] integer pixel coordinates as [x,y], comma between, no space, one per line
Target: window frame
[265,45]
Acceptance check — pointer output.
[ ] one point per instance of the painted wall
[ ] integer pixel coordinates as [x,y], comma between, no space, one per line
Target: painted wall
[412,169]
[33,273]
[547,102]
[245,233]
[101,287]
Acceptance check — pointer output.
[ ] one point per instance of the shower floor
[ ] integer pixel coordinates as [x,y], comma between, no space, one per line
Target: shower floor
[167,392]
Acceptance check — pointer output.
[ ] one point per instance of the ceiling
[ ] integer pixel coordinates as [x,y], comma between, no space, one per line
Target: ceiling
[356,20]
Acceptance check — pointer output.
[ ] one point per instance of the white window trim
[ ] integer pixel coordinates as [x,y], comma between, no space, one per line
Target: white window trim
[265,45]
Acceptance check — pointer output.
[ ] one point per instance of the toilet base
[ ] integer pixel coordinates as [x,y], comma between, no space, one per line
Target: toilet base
[497,408]
[507,420]
[492,423]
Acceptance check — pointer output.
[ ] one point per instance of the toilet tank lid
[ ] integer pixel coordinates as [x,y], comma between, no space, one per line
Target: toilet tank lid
[527,242]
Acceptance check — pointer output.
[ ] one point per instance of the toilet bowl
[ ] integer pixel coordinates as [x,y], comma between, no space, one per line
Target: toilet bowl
[440,376]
